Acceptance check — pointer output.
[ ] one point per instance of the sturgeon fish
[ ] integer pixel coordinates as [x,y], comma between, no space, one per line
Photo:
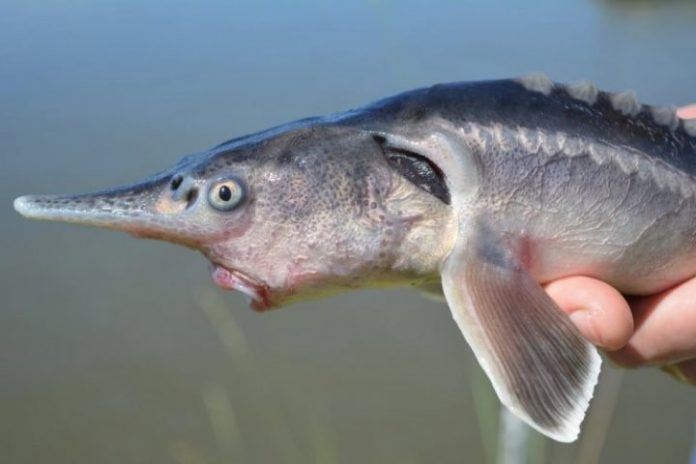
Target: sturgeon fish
[478,191]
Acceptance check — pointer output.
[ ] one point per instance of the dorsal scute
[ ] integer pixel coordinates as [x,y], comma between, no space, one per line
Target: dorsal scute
[537,82]
[665,116]
[690,126]
[625,102]
[584,91]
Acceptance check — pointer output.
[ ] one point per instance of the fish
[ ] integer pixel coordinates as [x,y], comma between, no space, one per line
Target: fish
[477,193]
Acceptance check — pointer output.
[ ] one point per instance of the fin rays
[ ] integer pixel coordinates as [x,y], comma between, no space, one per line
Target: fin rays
[539,364]
[545,394]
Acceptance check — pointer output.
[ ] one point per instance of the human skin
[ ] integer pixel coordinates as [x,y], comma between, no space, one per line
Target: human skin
[655,330]
[687,112]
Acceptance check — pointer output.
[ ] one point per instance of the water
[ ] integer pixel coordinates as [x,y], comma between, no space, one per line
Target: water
[107,349]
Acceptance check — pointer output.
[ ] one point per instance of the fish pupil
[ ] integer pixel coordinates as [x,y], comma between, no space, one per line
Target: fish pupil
[224,193]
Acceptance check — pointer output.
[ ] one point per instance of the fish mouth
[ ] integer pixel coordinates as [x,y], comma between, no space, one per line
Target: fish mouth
[233,279]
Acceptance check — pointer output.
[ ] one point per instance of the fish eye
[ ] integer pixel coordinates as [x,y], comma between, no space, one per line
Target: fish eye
[225,194]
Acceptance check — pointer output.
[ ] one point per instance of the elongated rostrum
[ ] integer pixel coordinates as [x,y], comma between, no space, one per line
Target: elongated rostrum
[479,192]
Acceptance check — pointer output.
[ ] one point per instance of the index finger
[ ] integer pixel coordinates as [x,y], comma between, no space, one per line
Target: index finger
[665,328]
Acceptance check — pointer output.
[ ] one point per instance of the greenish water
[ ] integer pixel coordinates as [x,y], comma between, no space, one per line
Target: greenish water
[114,350]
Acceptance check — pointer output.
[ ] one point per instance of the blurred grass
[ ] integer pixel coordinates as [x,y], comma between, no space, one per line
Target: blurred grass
[498,429]
[223,419]
[487,409]
[183,453]
[596,426]
[537,447]
[324,440]
[234,342]
[225,426]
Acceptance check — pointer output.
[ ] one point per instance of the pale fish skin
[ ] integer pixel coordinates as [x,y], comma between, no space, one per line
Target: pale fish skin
[481,191]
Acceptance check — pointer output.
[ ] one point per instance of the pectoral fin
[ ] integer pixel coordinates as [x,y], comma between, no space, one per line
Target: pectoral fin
[540,366]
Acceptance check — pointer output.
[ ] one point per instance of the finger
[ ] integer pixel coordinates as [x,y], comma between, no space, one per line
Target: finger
[665,328]
[598,310]
[687,112]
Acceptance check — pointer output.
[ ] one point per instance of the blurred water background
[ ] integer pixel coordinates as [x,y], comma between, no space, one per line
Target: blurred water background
[114,350]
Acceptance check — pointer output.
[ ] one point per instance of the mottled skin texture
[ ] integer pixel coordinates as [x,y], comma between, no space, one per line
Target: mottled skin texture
[491,187]
[325,215]
[575,216]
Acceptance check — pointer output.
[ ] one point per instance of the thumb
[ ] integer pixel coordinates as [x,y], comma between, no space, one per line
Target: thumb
[599,311]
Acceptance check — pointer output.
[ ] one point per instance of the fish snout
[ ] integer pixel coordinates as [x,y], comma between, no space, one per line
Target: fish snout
[151,207]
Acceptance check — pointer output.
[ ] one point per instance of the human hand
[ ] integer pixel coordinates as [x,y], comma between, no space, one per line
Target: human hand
[653,330]
[687,112]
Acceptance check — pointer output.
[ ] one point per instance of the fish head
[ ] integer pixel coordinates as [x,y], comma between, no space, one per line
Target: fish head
[283,215]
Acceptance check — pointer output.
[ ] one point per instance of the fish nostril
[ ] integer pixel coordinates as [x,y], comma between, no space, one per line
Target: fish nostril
[176,182]
[184,189]
[191,196]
